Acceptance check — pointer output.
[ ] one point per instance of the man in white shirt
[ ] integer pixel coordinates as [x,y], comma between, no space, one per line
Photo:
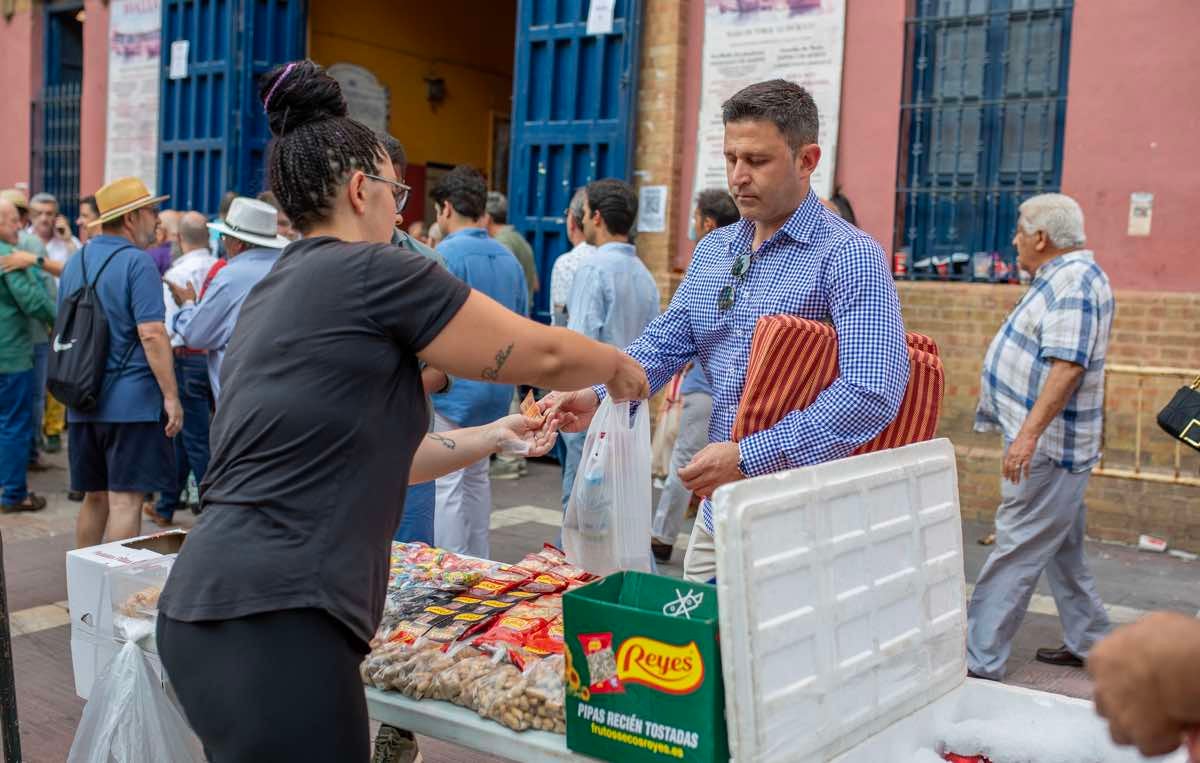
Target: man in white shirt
[562,277]
[53,229]
[191,366]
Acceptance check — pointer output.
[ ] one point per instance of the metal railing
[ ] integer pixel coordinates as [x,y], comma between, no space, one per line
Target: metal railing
[56,119]
[1174,476]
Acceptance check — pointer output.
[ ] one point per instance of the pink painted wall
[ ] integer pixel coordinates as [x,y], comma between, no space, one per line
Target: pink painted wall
[1133,121]
[872,80]
[94,106]
[683,201]
[16,61]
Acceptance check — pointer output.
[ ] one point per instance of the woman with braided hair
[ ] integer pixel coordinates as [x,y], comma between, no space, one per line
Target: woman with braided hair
[280,586]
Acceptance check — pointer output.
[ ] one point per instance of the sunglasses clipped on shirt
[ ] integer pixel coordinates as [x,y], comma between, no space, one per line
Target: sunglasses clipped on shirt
[728,294]
[399,190]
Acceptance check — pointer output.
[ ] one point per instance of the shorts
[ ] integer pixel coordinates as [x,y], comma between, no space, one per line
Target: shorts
[125,457]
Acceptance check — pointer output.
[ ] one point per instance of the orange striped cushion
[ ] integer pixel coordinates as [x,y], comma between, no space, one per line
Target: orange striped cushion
[793,359]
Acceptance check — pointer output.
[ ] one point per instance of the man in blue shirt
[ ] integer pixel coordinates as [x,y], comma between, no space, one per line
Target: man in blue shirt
[714,209]
[613,296]
[252,246]
[464,498]
[787,255]
[120,450]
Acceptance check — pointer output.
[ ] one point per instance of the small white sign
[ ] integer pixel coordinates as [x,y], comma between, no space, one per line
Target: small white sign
[652,209]
[600,16]
[1141,207]
[179,59]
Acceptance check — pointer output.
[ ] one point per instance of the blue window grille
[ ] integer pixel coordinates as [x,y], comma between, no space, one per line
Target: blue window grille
[55,114]
[981,130]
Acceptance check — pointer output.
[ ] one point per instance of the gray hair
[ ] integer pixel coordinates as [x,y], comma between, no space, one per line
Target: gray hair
[785,104]
[193,231]
[44,198]
[497,207]
[576,206]
[1055,214]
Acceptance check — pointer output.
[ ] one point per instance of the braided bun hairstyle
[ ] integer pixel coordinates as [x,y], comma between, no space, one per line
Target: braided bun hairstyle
[316,145]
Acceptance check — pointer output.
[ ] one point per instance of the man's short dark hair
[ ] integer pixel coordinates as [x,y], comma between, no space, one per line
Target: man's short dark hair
[616,202]
[91,202]
[785,104]
[394,149]
[717,205]
[465,189]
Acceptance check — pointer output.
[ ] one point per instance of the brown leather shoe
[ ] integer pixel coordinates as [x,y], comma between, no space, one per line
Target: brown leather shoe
[154,516]
[662,551]
[1061,656]
[32,502]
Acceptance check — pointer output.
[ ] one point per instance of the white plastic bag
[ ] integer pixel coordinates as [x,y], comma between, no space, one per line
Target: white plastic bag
[129,718]
[607,524]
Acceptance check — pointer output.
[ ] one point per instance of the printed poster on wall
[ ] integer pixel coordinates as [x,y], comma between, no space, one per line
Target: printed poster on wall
[748,41]
[134,62]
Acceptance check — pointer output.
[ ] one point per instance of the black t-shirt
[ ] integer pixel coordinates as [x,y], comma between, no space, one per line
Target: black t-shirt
[321,412]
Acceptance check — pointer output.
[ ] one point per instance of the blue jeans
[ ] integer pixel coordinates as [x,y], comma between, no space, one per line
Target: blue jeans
[573,445]
[41,367]
[15,428]
[191,444]
[417,522]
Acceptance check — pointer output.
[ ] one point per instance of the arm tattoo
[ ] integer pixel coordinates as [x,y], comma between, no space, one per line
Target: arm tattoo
[445,442]
[492,374]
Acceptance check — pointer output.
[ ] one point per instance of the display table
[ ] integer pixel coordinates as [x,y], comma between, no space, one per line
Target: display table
[458,725]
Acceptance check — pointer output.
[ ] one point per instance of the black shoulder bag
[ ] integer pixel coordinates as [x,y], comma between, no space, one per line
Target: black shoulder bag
[1181,417]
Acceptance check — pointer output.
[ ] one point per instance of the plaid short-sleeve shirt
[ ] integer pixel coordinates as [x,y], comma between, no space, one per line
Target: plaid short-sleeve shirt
[1066,315]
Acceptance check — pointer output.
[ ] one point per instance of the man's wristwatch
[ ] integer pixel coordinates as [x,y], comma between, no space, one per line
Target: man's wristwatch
[41,261]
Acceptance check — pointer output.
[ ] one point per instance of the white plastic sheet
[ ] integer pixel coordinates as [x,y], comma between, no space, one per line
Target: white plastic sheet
[129,718]
[607,525]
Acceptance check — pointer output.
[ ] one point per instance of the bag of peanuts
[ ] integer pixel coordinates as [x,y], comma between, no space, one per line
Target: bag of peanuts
[454,684]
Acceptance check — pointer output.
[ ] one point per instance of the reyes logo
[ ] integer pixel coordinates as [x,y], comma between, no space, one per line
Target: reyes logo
[665,667]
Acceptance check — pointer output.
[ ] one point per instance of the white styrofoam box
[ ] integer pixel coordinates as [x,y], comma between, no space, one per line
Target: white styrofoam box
[1020,724]
[842,600]
[92,639]
[91,653]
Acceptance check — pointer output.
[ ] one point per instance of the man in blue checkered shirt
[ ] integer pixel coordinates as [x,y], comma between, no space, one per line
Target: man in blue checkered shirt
[1043,387]
[787,255]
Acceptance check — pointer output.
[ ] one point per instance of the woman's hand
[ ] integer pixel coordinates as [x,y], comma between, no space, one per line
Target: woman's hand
[523,436]
[629,382]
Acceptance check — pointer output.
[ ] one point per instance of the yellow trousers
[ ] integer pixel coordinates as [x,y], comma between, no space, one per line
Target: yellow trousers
[55,419]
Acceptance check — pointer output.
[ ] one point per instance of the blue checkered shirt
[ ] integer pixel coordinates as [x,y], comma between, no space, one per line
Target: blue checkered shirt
[818,267]
[1066,315]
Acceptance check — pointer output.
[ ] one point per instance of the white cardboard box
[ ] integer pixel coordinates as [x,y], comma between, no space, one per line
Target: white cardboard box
[843,617]
[92,640]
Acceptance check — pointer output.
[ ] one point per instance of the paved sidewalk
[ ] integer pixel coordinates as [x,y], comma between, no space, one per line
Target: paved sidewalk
[525,517]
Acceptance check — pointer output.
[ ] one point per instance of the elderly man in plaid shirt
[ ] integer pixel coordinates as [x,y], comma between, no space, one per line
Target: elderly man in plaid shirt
[787,255]
[1043,387]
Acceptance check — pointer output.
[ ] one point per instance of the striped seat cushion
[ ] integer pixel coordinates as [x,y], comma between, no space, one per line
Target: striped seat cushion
[793,359]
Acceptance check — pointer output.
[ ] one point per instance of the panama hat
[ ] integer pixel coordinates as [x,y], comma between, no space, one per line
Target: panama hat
[16,197]
[252,221]
[121,197]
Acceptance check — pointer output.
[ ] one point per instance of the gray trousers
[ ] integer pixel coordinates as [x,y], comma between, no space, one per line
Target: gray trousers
[692,437]
[1040,527]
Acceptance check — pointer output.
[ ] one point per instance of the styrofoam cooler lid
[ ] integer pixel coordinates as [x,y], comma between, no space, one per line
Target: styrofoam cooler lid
[842,600]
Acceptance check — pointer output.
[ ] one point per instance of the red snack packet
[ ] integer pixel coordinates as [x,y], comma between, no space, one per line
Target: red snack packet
[549,640]
[510,630]
[544,583]
[955,758]
[569,571]
[602,663]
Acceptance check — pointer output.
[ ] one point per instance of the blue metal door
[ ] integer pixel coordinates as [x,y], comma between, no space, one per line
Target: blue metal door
[574,99]
[213,132]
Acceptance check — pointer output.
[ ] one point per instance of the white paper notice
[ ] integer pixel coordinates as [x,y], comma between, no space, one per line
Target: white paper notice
[797,40]
[652,209]
[600,16]
[1141,207]
[134,68]
[179,59]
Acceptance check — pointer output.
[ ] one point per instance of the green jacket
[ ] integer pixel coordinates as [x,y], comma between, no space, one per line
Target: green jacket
[22,297]
[521,249]
[39,332]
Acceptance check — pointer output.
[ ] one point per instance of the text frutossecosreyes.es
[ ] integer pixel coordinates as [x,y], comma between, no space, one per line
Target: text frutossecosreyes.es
[635,725]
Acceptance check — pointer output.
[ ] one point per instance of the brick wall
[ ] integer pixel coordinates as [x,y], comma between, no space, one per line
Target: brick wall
[1150,329]
[659,139]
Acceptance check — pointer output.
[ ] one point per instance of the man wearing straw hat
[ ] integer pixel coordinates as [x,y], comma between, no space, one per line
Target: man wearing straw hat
[120,450]
[252,246]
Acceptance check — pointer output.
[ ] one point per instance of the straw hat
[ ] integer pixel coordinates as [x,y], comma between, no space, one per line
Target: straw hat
[120,197]
[16,197]
[252,221]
